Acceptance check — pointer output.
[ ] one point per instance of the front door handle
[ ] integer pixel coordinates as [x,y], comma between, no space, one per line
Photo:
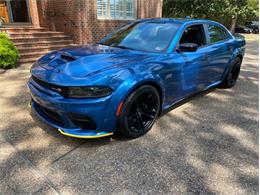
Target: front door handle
[205,57]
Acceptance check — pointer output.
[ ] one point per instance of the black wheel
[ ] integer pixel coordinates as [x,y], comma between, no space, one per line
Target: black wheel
[232,75]
[139,112]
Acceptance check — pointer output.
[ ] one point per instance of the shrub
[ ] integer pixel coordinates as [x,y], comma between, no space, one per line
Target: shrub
[8,52]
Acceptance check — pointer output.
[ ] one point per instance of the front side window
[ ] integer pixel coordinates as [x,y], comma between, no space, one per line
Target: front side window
[194,34]
[116,9]
[216,33]
[149,36]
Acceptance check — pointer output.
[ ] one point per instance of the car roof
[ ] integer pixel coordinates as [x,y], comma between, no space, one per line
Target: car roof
[177,20]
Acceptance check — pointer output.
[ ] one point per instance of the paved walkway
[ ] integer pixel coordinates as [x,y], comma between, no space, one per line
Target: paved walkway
[208,146]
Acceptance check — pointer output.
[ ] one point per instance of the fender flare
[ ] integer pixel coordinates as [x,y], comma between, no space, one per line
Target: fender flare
[237,52]
[129,85]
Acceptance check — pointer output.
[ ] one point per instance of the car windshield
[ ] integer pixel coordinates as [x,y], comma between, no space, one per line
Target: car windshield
[150,37]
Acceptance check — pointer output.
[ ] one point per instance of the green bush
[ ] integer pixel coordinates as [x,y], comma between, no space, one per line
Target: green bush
[8,52]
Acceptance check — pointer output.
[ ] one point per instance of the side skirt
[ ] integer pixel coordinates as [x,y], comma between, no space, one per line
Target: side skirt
[188,98]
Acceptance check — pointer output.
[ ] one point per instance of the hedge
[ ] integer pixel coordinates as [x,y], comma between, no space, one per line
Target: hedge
[8,53]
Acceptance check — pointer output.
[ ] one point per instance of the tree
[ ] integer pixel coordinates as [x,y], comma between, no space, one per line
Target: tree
[227,12]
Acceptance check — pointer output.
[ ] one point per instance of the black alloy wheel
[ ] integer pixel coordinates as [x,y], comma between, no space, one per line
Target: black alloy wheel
[139,112]
[232,75]
[235,72]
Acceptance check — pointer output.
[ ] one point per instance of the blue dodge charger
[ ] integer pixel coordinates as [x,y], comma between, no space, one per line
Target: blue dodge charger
[133,75]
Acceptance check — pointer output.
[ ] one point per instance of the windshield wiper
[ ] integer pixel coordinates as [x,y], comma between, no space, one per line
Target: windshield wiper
[123,47]
[118,46]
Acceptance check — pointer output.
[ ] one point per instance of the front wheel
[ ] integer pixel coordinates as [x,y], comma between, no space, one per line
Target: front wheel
[139,112]
[232,75]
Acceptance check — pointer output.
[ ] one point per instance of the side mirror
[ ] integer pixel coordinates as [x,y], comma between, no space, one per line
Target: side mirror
[188,47]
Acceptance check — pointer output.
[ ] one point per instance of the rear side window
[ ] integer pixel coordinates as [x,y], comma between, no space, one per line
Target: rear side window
[216,33]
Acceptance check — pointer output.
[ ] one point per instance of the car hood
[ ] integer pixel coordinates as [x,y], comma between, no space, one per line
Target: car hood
[88,60]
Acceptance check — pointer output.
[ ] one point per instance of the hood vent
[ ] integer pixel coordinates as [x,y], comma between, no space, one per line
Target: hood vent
[67,57]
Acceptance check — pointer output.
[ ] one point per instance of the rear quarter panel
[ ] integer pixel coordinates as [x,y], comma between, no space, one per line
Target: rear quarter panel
[239,44]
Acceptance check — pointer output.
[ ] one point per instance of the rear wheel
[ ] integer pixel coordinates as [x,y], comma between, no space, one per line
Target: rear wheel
[139,112]
[232,75]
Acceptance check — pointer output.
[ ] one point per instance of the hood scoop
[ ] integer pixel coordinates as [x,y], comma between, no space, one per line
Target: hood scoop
[62,58]
[67,57]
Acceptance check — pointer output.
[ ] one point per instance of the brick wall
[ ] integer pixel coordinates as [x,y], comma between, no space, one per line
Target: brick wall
[78,18]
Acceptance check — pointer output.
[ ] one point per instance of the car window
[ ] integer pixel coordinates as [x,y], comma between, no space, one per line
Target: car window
[194,34]
[254,23]
[216,33]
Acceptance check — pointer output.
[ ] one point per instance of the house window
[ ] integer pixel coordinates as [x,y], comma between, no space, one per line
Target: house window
[116,9]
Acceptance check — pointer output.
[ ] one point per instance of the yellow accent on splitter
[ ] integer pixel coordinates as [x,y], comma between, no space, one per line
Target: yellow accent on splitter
[86,136]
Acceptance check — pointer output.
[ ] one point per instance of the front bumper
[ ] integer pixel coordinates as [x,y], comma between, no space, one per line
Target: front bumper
[60,110]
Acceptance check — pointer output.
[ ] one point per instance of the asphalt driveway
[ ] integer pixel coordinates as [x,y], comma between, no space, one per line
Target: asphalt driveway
[208,145]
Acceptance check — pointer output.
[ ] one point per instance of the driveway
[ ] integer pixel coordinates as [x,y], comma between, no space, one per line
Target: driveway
[208,145]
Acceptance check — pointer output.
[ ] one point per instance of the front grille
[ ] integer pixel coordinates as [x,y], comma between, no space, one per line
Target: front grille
[51,115]
[50,86]
[79,120]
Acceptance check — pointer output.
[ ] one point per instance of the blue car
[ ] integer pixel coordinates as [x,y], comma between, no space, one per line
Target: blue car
[133,75]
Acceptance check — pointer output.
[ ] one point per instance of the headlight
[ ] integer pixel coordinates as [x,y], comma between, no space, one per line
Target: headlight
[87,92]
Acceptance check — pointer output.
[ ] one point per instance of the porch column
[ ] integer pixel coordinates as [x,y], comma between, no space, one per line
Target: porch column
[10,14]
[33,12]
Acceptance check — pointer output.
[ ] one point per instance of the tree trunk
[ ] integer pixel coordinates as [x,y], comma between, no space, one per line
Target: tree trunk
[233,23]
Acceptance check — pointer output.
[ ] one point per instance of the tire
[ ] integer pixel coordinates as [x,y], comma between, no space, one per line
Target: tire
[139,112]
[232,75]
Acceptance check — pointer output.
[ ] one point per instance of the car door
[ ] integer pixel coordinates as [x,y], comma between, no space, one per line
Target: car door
[188,68]
[194,63]
[219,52]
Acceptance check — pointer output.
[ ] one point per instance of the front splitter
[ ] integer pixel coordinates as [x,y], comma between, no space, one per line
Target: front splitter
[98,135]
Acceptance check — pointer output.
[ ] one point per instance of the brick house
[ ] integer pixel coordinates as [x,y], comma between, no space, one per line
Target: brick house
[53,24]
[89,20]
[85,20]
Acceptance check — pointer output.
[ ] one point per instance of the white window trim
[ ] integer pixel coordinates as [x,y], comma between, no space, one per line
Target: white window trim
[108,17]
